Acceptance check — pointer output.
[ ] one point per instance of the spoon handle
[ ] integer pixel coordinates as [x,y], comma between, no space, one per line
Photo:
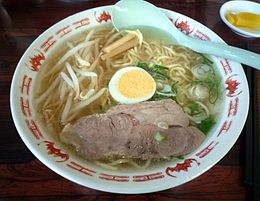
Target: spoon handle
[233,53]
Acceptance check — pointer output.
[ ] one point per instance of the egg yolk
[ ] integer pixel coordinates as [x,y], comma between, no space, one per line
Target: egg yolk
[136,84]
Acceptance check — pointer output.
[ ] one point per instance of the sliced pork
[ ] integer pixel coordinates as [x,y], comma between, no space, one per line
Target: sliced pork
[122,133]
[156,112]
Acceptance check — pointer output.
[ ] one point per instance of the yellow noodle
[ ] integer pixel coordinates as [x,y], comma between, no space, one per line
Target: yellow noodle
[59,104]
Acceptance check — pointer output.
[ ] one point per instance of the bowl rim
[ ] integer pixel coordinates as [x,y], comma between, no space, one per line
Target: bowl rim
[106,187]
[235,29]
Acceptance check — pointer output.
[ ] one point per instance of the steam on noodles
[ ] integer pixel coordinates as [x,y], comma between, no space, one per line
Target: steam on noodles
[74,83]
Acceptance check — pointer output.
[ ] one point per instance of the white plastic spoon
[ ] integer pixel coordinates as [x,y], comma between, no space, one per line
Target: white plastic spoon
[129,14]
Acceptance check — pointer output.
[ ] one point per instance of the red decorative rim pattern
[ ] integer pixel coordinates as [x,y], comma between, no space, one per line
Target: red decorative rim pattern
[48,149]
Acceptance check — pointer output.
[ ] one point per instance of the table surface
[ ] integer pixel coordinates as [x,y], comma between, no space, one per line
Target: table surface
[23,177]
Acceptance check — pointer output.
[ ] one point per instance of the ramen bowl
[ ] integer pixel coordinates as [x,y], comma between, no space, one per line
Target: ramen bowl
[51,152]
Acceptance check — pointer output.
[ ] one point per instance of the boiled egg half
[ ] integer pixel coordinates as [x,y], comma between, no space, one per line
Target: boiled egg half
[131,85]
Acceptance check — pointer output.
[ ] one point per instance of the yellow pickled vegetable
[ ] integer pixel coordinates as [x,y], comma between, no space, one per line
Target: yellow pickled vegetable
[244,19]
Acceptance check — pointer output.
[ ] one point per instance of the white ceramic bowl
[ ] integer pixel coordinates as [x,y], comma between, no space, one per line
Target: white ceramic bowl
[236,7]
[164,176]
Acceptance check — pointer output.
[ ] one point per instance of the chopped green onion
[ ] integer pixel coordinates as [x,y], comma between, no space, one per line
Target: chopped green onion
[187,110]
[180,157]
[206,60]
[160,96]
[193,109]
[101,109]
[158,72]
[174,87]
[159,67]
[206,124]
[161,76]
[159,137]
[142,65]
[213,82]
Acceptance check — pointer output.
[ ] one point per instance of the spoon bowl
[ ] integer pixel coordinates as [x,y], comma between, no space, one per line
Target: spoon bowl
[133,14]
